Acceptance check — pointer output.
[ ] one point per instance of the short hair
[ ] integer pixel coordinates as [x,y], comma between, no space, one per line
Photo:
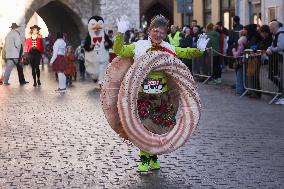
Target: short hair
[194,21]
[236,19]
[274,23]
[209,27]
[158,21]
[59,35]
[279,23]
[219,23]
[264,29]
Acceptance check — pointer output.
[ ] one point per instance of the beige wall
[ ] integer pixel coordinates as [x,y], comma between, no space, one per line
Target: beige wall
[177,16]
[215,11]
[198,12]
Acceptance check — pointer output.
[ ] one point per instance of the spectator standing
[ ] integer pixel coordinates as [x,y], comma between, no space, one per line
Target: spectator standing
[187,42]
[194,36]
[80,58]
[253,66]
[277,50]
[238,64]
[234,36]
[192,25]
[215,45]
[222,41]
[174,36]
[13,54]
[1,57]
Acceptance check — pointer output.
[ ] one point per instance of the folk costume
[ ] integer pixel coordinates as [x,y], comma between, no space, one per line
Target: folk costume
[96,48]
[58,63]
[34,47]
[153,104]
[70,61]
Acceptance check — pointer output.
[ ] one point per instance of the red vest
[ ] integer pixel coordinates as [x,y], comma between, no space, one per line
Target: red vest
[38,44]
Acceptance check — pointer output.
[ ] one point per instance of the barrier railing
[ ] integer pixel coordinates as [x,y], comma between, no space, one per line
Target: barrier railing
[202,67]
[263,74]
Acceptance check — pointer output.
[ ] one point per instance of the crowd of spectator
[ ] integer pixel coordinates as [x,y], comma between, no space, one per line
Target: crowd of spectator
[227,45]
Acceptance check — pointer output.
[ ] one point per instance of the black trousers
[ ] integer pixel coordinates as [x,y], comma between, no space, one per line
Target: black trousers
[20,71]
[275,74]
[82,68]
[35,57]
[217,70]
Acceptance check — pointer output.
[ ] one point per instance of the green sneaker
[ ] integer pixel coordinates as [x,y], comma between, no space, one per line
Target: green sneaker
[218,81]
[143,167]
[212,82]
[154,163]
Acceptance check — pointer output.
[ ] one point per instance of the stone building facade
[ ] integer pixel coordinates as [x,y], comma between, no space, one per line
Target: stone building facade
[70,16]
[249,11]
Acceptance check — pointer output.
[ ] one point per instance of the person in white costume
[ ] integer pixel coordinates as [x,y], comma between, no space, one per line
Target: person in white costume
[96,49]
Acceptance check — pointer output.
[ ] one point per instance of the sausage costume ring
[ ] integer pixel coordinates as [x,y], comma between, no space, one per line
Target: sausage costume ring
[120,93]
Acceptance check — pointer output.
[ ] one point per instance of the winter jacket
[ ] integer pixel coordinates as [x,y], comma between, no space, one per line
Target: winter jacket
[214,41]
[12,44]
[280,42]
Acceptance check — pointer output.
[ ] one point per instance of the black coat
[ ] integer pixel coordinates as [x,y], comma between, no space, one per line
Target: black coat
[186,42]
[264,43]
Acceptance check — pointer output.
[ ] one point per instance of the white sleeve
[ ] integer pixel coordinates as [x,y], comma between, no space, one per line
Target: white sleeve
[55,52]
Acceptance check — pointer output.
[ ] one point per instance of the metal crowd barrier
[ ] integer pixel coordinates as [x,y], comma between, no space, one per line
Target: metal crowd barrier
[202,67]
[263,74]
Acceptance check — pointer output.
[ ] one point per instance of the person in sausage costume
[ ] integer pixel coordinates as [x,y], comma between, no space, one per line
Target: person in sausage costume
[149,95]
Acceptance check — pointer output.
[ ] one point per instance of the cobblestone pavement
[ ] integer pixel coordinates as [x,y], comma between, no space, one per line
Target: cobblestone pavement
[52,141]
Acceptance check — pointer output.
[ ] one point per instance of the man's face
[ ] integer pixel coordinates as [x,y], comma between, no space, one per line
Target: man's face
[173,29]
[157,35]
[193,23]
[272,28]
[218,27]
[195,30]
[110,34]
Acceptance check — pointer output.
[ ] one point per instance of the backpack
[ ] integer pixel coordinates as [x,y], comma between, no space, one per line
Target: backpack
[81,55]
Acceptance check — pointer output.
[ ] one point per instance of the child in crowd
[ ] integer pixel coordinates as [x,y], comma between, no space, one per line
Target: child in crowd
[238,65]
[70,61]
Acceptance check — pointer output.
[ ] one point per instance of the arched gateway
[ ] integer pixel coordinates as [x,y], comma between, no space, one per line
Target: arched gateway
[71,16]
[59,16]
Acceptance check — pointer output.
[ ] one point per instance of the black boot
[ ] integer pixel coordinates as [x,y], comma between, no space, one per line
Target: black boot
[34,76]
[38,76]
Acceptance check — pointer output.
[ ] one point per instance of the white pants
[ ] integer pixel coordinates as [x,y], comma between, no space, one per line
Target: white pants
[102,72]
[61,80]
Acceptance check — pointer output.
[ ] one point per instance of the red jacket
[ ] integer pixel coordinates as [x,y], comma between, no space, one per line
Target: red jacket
[39,44]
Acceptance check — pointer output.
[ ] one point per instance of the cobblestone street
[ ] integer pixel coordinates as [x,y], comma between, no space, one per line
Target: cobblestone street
[53,141]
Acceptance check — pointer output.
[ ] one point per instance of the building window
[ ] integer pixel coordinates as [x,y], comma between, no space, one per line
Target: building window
[255,11]
[186,19]
[227,12]
[207,11]
[186,8]
[271,13]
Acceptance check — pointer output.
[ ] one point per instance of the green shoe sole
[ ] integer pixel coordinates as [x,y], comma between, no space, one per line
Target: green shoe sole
[154,165]
[143,167]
